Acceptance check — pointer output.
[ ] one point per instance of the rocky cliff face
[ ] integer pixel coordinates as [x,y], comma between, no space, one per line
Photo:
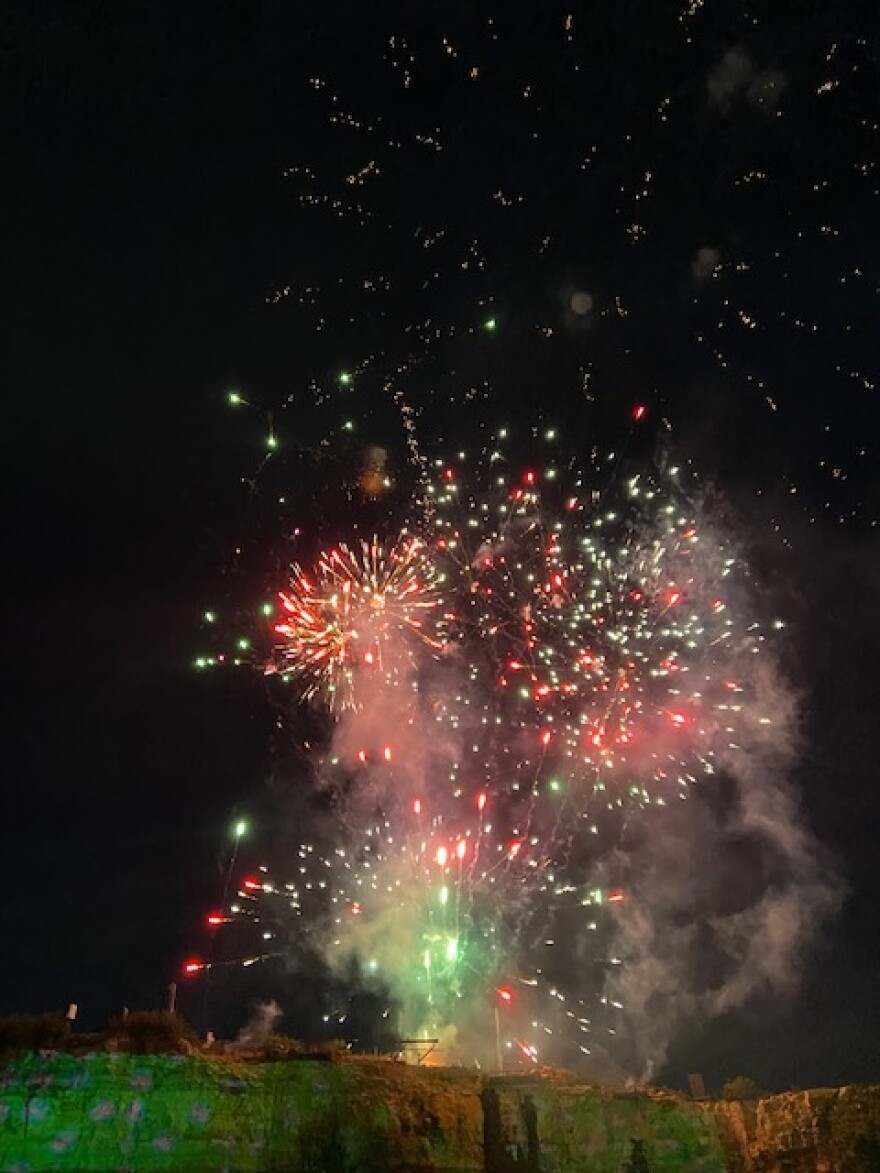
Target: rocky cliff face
[550,1126]
[178,1113]
[830,1130]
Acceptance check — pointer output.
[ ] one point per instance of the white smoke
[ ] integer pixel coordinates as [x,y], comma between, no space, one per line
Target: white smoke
[736,78]
[704,264]
[261,1025]
[727,894]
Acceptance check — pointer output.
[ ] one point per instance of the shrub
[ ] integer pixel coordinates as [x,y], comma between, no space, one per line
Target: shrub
[741,1087]
[282,1047]
[31,1032]
[153,1032]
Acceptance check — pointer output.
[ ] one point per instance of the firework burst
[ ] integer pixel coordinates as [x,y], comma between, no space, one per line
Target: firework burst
[354,615]
[597,650]
[598,629]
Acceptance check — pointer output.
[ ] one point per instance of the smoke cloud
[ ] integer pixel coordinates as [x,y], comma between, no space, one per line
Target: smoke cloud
[727,897]
[736,78]
[725,891]
[261,1025]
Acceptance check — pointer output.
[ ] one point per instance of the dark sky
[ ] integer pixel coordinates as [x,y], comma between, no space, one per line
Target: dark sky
[175,184]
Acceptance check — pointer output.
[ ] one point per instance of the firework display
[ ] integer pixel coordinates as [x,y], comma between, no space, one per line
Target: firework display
[553,653]
[512,650]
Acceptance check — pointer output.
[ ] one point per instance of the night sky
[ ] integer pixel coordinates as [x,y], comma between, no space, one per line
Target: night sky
[674,206]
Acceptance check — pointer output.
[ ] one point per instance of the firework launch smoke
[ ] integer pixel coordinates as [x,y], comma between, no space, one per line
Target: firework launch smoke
[261,1025]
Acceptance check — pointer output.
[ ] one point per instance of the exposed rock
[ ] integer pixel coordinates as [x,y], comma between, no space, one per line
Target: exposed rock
[106,1111]
[829,1130]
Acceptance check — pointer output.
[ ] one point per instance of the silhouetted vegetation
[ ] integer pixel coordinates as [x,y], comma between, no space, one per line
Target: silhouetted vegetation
[741,1087]
[152,1032]
[280,1047]
[32,1032]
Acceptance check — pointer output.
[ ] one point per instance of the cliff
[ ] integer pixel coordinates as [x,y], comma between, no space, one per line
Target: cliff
[173,1112]
[128,1112]
[830,1130]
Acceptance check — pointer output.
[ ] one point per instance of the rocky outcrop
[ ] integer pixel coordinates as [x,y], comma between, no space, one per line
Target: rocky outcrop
[107,1111]
[555,1126]
[829,1130]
